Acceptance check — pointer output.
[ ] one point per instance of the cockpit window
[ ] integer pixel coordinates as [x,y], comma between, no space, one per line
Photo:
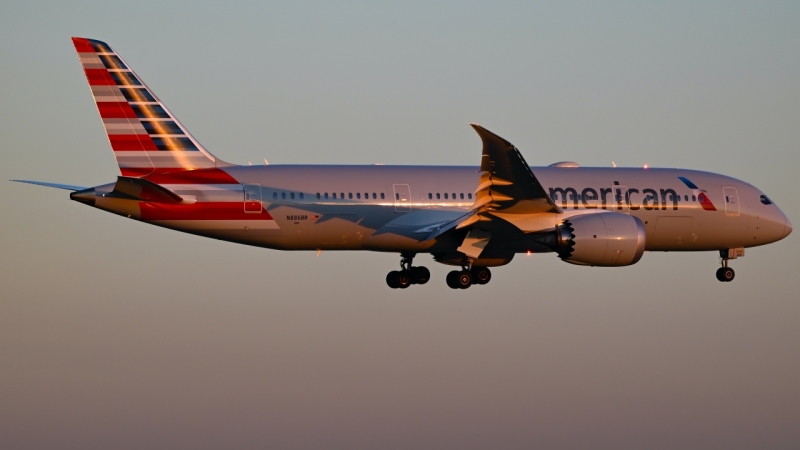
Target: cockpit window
[765,200]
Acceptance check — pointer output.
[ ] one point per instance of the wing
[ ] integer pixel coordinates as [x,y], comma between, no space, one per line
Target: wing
[507,184]
[507,193]
[68,187]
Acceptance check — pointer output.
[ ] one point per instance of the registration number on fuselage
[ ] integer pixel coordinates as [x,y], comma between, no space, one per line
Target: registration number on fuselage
[295,218]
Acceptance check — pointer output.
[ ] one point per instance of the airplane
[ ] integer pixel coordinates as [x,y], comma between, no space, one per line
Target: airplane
[470,217]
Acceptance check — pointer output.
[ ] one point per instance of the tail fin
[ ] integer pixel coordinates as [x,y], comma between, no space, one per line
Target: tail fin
[145,137]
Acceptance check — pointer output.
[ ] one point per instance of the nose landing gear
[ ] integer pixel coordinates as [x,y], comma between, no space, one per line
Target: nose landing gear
[725,273]
[408,274]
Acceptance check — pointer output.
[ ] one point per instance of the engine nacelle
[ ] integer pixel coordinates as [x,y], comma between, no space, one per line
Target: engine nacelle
[601,239]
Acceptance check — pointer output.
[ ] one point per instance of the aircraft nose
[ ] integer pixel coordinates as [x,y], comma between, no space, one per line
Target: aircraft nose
[787,229]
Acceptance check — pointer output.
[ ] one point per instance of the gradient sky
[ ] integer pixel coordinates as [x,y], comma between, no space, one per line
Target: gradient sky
[118,334]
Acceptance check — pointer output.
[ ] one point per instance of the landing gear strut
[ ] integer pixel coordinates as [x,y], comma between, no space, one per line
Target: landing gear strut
[408,274]
[724,273]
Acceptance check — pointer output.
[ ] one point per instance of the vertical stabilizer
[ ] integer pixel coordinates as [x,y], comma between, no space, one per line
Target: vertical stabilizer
[145,137]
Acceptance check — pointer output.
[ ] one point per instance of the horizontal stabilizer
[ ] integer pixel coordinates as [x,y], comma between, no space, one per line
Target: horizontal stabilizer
[68,187]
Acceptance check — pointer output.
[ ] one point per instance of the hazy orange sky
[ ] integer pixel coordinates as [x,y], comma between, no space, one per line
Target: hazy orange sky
[118,334]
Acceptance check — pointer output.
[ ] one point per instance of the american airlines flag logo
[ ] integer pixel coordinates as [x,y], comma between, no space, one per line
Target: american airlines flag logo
[701,194]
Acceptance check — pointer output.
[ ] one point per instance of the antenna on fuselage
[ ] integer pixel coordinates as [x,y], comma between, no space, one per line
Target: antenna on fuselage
[613,164]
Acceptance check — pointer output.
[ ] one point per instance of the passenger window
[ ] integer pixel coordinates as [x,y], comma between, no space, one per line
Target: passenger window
[469,196]
[341,195]
[301,196]
[454,196]
[462,196]
[326,196]
[445,195]
[694,199]
[292,195]
[350,195]
[430,196]
[438,196]
[382,196]
[283,195]
[318,196]
[358,195]
[334,195]
[274,195]
[374,196]
[686,198]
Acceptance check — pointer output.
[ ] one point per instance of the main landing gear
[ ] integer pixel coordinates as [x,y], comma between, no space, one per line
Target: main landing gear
[725,273]
[462,279]
[408,274]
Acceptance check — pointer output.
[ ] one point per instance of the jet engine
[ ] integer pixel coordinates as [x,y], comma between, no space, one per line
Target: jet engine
[601,239]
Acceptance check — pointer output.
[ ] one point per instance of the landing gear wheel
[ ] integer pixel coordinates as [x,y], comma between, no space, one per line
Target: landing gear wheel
[393,279]
[420,275]
[481,275]
[459,279]
[725,274]
[464,279]
[452,279]
[403,279]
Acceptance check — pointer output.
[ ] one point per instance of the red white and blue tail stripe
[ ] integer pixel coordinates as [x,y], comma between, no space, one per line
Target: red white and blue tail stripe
[145,137]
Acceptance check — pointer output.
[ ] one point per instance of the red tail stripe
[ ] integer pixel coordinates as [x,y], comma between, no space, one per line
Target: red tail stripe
[82,45]
[137,172]
[200,211]
[99,77]
[115,110]
[200,176]
[131,142]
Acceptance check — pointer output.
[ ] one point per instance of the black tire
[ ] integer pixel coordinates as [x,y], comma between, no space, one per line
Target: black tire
[464,279]
[420,275]
[393,279]
[728,274]
[481,275]
[403,279]
[719,274]
[452,279]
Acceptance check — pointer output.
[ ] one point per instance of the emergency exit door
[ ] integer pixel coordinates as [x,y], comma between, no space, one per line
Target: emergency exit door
[252,198]
[402,198]
[731,201]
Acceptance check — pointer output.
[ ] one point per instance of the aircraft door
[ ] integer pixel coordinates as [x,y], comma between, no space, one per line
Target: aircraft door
[621,199]
[731,201]
[252,198]
[402,198]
